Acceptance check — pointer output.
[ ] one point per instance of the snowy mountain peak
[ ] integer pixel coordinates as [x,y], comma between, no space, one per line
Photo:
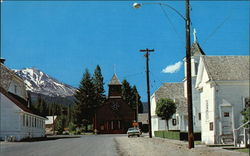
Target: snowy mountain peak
[38,82]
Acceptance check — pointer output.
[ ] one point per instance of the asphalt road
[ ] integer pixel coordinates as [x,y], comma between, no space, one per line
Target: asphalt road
[88,145]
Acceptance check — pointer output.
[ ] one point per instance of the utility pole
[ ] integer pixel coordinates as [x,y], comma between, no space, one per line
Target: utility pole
[137,108]
[189,81]
[148,89]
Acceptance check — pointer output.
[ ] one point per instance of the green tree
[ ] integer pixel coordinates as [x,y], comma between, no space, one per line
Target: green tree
[246,115]
[41,106]
[98,86]
[84,103]
[165,108]
[136,100]
[127,93]
[60,124]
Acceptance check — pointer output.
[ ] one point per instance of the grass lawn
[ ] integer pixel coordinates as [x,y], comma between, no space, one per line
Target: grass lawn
[246,150]
[197,142]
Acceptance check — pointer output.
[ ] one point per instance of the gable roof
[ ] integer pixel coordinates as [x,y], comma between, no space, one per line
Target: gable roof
[21,103]
[174,91]
[114,81]
[227,67]
[196,50]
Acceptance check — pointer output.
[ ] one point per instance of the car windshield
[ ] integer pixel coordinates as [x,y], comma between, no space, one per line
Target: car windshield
[131,129]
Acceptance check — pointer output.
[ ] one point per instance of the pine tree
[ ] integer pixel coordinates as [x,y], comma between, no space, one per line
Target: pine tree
[98,86]
[41,106]
[126,92]
[84,103]
[131,96]
[136,100]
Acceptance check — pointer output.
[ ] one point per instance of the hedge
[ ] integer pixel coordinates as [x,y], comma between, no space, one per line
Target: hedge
[168,134]
[177,135]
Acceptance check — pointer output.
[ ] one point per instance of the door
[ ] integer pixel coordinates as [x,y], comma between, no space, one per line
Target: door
[226,120]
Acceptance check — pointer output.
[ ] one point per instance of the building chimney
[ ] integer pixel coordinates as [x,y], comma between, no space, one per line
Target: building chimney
[2,60]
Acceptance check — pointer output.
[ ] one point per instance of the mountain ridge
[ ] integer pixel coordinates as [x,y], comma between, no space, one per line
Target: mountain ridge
[39,82]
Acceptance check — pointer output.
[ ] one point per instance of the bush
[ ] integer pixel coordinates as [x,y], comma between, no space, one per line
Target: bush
[72,126]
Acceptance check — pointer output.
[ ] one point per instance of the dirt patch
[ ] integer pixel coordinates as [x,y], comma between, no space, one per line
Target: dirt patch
[144,146]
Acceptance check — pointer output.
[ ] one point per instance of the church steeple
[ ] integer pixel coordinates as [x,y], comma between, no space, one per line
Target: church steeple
[114,80]
[115,88]
[196,49]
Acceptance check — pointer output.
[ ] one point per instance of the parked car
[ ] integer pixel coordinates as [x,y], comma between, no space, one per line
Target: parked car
[134,131]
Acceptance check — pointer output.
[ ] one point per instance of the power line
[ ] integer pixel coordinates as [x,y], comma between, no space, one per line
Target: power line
[169,20]
[218,27]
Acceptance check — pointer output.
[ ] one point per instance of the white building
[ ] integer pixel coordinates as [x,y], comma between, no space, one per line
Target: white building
[179,120]
[16,120]
[223,83]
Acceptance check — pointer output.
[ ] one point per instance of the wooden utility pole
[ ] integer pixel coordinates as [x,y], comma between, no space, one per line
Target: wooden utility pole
[148,89]
[189,80]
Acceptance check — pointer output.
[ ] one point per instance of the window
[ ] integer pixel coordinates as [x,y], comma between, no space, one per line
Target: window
[226,114]
[15,89]
[119,125]
[199,115]
[247,102]
[211,126]
[23,120]
[207,110]
[196,68]
[27,122]
[30,121]
[174,122]
[112,125]
[33,122]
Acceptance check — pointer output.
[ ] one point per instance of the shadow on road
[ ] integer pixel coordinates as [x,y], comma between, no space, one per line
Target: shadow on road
[48,138]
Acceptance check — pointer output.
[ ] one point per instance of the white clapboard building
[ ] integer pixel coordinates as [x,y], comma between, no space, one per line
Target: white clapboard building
[17,121]
[223,83]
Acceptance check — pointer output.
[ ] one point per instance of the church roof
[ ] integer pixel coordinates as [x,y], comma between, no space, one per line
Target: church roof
[227,67]
[114,81]
[196,49]
[174,91]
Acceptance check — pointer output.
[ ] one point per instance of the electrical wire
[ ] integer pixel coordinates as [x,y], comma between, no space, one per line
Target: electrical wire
[217,28]
[171,23]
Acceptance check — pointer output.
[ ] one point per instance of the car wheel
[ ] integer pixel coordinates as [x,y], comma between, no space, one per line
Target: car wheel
[138,135]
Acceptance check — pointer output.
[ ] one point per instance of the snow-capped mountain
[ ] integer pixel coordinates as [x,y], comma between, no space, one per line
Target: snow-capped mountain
[40,83]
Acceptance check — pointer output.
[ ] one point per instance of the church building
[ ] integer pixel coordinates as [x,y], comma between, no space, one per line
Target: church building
[115,116]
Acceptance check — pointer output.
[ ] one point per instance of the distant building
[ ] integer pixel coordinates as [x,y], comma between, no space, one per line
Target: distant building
[115,116]
[143,121]
[174,91]
[223,83]
[17,120]
[145,107]
[50,124]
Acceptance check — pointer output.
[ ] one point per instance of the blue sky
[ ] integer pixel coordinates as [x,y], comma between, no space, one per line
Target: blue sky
[64,38]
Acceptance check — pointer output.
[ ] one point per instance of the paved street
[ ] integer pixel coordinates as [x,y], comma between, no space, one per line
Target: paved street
[89,145]
[110,145]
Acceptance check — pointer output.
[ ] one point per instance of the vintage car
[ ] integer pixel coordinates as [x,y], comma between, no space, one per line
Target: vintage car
[134,131]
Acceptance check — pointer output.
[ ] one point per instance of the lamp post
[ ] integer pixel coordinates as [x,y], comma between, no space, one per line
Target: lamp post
[188,67]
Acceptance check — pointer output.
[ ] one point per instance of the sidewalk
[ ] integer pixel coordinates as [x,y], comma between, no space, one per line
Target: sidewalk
[144,146]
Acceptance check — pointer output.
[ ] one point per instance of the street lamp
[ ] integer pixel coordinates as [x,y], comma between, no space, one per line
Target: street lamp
[188,69]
